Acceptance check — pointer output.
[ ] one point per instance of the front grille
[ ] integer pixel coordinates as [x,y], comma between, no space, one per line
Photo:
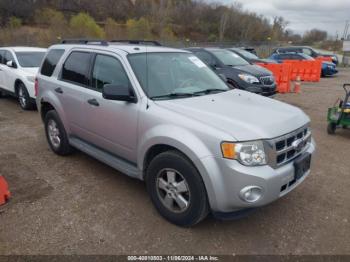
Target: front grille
[267,80]
[288,147]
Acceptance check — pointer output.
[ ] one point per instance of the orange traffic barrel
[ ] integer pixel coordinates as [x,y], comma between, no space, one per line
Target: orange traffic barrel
[4,191]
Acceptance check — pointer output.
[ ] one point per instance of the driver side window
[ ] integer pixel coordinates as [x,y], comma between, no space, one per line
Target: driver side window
[108,70]
[307,51]
[205,57]
[8,57]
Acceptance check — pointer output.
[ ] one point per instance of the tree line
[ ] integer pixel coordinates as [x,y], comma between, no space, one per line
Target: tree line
[46,21]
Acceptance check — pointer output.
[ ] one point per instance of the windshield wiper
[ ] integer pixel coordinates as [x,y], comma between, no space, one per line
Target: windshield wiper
[209,91]
[174,95]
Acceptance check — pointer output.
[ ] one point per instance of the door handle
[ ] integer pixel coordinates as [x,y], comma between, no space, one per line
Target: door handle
[59,90]
[93,102]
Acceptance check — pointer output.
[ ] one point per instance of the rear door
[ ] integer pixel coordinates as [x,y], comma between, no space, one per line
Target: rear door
[111,125]
[71,89]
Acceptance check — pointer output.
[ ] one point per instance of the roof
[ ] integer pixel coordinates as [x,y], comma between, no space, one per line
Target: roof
[127,48]
[204,48]
[25,49]
[292,47]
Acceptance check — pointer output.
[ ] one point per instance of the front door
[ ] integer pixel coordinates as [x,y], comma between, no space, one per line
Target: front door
[111,125]
[8,73]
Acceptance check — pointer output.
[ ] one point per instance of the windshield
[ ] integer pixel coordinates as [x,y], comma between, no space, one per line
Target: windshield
[228,58]
[30,59]
[164,75]
[246,54]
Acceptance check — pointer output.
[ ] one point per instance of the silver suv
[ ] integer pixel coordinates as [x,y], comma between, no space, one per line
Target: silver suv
[161,115]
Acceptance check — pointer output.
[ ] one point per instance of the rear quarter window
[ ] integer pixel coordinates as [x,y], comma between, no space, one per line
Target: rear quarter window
[51,61]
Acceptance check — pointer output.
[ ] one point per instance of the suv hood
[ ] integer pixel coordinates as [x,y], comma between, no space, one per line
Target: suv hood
[243,115]
[254,70]
[328,63]
[265,61]
[31,70]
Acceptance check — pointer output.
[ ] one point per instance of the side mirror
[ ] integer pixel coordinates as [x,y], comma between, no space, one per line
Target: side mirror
[11,64]
[118,92]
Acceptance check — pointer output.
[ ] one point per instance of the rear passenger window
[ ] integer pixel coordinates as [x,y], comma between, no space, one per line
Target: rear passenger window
[51,61]
[76,68]
[108,70]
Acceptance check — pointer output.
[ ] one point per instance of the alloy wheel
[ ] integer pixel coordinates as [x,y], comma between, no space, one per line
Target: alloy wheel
[173,190]
[54,133]
[22,97]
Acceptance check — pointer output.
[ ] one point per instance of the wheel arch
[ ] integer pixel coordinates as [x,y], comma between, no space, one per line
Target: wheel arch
[51,102]
[16,85]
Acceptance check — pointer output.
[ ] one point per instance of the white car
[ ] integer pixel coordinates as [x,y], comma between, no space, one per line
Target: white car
[18,68]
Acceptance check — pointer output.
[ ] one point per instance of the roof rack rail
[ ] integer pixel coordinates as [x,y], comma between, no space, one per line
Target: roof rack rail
[137,42]
[85,42]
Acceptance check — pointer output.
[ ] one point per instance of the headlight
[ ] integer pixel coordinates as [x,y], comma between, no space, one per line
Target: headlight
[247,153]
[31,78]
[249,78]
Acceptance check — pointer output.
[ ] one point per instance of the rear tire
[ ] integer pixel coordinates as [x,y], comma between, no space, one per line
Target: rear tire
[176,189]
[24,98]
[331,128]
[56,134]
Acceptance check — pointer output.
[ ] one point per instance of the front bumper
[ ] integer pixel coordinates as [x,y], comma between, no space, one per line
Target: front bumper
[329,71]
[263,90]
[224,179]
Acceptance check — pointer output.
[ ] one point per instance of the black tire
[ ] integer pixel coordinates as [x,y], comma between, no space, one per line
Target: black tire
[1,94]
[197,208]
[331,128]
[62,148]
[24,99]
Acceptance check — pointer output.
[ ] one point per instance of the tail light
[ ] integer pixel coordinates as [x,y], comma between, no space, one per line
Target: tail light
[36,86]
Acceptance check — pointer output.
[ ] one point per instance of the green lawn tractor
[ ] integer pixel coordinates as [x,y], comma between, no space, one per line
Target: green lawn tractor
[339,116]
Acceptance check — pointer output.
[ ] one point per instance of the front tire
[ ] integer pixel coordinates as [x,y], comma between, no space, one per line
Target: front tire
[176,189]
[331,128]
[24,98]
[56,134]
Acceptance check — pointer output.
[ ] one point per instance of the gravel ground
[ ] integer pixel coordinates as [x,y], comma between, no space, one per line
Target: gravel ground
[77,205]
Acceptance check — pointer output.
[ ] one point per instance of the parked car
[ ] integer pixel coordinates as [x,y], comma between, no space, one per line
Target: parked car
[18,67]
[328,68]
[161,115]
[250,57]
[305,50]
[238,72]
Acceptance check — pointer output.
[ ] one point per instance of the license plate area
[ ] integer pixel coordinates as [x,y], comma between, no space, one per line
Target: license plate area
[301,165]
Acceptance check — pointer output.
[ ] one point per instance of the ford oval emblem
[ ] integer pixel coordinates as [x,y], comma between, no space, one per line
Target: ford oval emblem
[298,144]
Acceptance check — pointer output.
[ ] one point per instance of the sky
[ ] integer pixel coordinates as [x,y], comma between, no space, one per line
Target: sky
[303,15]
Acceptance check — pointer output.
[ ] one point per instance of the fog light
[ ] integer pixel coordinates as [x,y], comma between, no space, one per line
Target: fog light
[251,194]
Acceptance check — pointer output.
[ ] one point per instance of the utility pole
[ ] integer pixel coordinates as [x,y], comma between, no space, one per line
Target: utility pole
[346,29]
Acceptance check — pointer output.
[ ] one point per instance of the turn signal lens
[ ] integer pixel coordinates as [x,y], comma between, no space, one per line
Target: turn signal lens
[228,150]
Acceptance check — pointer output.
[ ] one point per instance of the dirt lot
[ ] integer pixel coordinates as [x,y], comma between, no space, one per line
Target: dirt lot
[77,205]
